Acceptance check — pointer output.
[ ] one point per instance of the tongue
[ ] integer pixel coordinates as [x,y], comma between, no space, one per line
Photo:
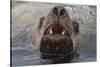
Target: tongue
[57,29]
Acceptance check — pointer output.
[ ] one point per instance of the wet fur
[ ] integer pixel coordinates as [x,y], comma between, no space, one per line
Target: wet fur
[73,29]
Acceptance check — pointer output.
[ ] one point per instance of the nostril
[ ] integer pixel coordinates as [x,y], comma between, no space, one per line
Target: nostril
[55,11]
[62,12]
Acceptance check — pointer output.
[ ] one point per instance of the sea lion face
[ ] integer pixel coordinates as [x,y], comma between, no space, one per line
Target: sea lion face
[56,33]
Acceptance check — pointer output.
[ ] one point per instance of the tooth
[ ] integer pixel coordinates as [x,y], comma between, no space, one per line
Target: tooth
[50,31]
[63,32]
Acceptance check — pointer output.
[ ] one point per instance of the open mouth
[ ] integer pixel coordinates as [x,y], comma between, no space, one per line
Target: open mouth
[56,29]
[56,41]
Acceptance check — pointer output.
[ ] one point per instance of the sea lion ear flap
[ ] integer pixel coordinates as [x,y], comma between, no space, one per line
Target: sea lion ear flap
[41,22]
[75,26]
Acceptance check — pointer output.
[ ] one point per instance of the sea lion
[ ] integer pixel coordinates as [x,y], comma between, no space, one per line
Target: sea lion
[57,35]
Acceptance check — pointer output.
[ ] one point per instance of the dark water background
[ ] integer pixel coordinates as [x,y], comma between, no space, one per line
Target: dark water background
[25,16]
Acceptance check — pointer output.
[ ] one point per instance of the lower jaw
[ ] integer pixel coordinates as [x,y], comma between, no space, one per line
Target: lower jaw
[48,47]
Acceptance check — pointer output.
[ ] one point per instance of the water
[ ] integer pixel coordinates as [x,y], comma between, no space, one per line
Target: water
[25,17]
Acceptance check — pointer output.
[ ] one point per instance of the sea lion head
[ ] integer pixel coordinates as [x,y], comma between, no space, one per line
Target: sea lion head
[56,33]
